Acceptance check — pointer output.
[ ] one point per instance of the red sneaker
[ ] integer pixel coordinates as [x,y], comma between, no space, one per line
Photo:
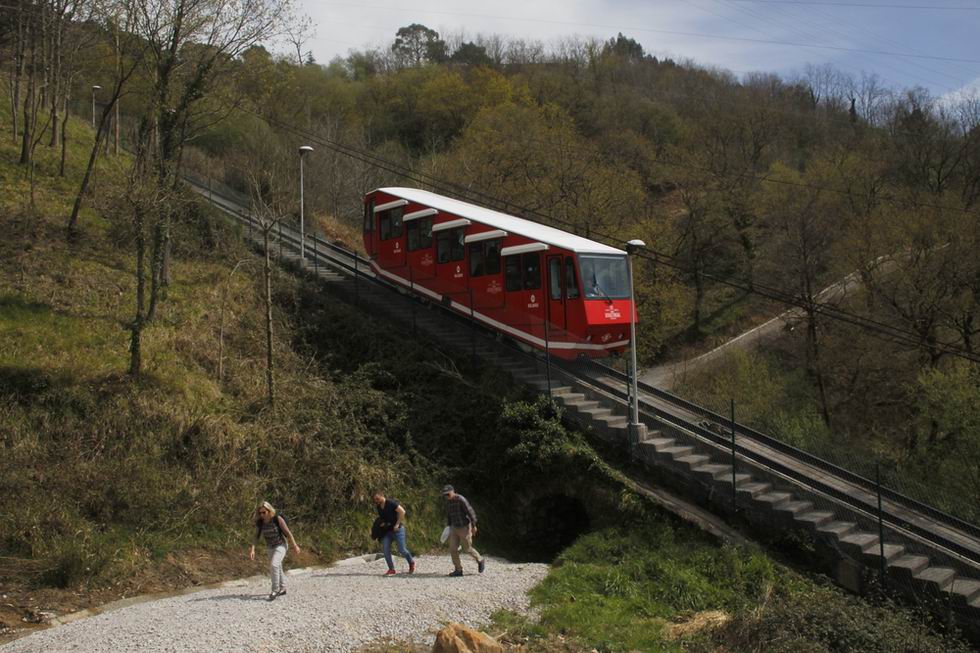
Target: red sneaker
[411,567]
[390,572]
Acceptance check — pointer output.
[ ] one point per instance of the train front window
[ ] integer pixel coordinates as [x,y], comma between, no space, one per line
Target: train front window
[369,216]
[390,223]
[604,277]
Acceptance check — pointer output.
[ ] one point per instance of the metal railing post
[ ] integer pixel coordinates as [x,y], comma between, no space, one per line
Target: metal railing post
[279,224]
[472,329]
[881,525]
[547,354]
[357,274]
[734,493]
[411,285]
[316,258]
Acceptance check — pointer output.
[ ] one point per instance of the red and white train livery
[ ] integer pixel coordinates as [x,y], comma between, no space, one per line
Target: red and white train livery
[537,284]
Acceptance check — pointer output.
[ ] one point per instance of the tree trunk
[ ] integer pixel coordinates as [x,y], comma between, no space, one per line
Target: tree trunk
[135,342]
[64,133]
[267,273]
[73,219]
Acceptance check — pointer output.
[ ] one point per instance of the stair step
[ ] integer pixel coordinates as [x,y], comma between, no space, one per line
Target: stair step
[939,576]
[597,413]
[794,508]
[774,499]
[714,470]
[860,540]
[613,421]
[837,528]
[892,551]
[815,518]
[909,564]
[754,489]
[572,397]
[965,589]
[586,406]
[677,450]
[661,443]
[692,460]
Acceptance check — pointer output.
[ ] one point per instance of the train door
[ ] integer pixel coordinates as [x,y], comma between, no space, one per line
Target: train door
[557,312]
[391,238]
[451,260]
[486,270]
[370,244]
[522,282]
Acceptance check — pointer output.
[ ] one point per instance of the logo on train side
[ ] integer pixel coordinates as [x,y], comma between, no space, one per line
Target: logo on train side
[494,287]
[426,260]
[607,337]
[533,303]
[459,273]
[612,313]
[398,247]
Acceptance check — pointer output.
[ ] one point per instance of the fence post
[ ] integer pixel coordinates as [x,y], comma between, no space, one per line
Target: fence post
[547,354]
[357,294]
[734,493]
[411,285]
[472,329]
[881,525]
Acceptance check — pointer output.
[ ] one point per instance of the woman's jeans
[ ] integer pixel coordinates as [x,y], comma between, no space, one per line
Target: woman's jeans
[276,556]
[399,537]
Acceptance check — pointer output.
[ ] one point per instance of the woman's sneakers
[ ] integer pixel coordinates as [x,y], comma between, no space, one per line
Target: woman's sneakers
[390,572]
[274,595]
[411,567]
[482,565]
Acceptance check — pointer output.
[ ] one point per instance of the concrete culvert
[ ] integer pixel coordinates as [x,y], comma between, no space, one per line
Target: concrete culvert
[551,523]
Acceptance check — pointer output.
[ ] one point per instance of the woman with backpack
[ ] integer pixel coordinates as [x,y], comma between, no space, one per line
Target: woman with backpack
[273,528]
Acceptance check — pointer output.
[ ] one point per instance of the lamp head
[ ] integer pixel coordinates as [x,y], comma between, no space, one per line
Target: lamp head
[303,149]
[634,246]
[96,88]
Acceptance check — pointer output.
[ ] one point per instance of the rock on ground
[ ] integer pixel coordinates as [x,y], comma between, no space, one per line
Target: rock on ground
[339,609]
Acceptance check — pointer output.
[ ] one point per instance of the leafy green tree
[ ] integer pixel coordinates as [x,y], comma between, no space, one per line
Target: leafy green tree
[417,44]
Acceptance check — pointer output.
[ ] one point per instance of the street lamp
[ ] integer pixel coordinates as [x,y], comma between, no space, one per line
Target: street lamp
[303,150]
[633,247]
[94,89]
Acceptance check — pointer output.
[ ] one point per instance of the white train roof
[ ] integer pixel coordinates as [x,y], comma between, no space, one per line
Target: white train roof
[509,223]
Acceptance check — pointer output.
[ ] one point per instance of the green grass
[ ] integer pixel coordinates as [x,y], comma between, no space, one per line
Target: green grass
[639,588]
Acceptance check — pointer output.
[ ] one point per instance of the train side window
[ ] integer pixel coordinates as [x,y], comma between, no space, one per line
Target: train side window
[491,256]
[477,267]
[442,246]
[369,217]
[384,226]
[457,250]
[571,284]
[419,234]
[554,277]
[513,279]
[532,271]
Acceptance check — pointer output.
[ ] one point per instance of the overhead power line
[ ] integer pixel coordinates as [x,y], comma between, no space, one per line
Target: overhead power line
[880,330]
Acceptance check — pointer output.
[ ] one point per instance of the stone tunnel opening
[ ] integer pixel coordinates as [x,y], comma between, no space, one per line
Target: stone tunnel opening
[552,523]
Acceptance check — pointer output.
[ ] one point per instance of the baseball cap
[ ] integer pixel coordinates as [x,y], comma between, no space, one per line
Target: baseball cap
[447,489]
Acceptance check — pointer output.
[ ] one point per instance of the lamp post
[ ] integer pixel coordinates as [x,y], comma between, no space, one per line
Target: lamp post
[302,227]
[633,247]
[94,89]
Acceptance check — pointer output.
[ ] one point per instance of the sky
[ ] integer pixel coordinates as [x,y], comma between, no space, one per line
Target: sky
[780,36]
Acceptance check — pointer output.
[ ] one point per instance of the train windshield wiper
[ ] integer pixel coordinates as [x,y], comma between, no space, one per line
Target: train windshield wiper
[596,288]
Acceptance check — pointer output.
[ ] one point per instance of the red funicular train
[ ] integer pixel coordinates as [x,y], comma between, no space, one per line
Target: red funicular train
[539,285]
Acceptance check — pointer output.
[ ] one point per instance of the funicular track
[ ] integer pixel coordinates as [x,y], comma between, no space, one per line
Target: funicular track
[729,468]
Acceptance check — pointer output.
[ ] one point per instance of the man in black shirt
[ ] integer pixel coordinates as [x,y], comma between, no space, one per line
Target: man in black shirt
[393,515]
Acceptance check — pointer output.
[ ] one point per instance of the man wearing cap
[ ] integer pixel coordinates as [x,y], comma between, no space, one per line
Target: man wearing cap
[461,520]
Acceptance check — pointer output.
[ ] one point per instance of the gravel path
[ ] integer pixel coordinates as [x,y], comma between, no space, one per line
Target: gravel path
[338,609]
